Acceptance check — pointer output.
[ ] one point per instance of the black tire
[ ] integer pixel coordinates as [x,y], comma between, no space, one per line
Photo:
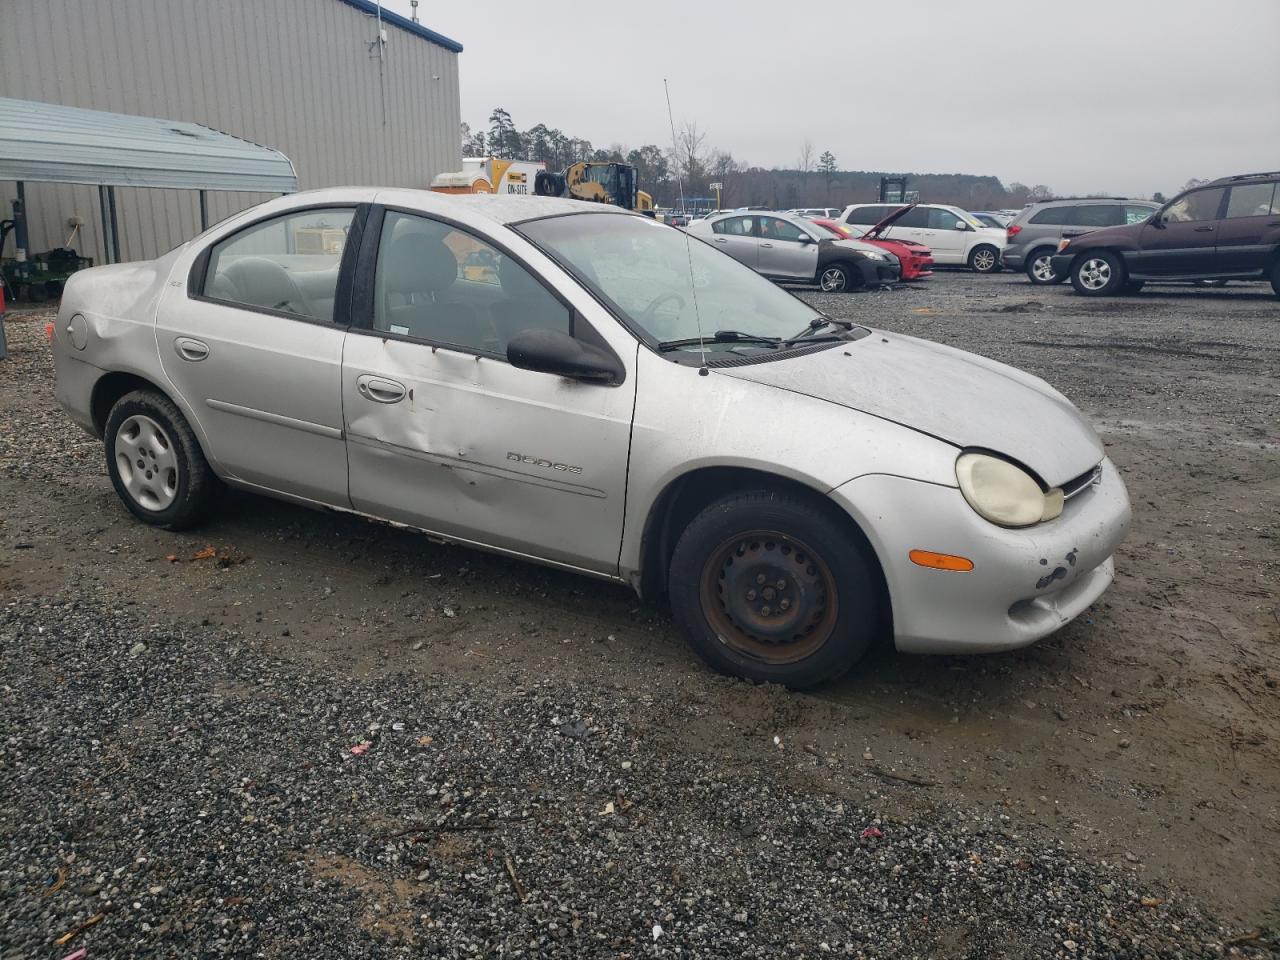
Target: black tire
[1133,286]
[1042,279]
[837,278]
[1100,274]
[804,550]
[189,487]
[984,258]
[1275,277]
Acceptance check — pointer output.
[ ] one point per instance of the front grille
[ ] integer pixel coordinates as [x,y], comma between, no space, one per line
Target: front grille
[1081,483]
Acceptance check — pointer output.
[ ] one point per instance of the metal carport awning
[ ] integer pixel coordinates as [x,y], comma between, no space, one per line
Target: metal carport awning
[52,143]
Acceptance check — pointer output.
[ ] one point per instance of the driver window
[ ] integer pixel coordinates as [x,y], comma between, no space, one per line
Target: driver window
[1200,205]
[443,285]
[773,228]
[942,219]
[287,264]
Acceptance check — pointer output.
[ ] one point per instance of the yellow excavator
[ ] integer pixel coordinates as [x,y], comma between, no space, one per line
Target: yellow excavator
[596,182]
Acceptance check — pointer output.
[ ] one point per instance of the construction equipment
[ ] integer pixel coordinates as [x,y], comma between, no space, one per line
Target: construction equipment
[597,182]
[490,175]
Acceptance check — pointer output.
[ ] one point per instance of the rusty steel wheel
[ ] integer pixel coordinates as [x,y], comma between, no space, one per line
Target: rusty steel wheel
[769,596]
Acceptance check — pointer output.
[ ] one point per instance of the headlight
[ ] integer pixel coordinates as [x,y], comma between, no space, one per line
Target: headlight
[1063,244]
[1004,494]
[873,255]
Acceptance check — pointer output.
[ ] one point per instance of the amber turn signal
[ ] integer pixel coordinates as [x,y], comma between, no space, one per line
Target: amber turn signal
[48,332]
[940,561]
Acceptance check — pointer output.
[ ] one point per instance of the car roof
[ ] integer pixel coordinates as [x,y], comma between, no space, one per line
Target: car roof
[1079,200]
[1227,181]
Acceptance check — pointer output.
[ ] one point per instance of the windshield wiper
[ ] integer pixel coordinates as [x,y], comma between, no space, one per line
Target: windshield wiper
[720,336]
[818,323]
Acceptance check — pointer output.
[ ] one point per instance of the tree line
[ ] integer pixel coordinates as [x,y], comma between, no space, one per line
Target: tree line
[690,165]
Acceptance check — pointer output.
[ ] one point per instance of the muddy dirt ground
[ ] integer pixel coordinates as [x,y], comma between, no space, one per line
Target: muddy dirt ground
[1144,734]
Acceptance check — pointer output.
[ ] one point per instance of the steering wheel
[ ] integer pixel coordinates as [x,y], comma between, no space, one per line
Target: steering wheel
[651,310]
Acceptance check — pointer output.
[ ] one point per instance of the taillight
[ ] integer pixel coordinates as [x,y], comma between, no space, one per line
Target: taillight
[48,332]
[1012,231]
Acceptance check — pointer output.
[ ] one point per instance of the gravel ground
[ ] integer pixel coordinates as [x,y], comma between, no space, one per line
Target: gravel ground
[549,772]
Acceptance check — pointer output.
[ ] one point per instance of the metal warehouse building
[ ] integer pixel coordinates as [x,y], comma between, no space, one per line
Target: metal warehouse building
[312,78]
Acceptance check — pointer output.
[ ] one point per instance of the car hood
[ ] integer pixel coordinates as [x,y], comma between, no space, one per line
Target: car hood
[888,221]
[964,399]
[854,245]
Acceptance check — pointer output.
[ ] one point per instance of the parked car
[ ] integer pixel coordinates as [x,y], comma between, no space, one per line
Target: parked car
[1034,233]
[812,212]
[793,249]
[915,258]
[1225,230]
[990,219]
[622,402]
[954,237]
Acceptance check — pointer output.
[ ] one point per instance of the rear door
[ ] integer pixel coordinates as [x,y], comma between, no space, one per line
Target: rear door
[253,344]
[785,250]
[912,225]
[1185,240]
[946,233]
[1250,232]
[737,237]
[444,434]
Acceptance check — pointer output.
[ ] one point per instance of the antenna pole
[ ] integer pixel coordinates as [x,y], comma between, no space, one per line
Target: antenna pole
[693,287]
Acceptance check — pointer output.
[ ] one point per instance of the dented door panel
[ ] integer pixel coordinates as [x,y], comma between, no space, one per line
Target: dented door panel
[478,450]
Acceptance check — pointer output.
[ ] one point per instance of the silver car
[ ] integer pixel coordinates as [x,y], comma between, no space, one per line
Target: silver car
[580,386]
[794,249]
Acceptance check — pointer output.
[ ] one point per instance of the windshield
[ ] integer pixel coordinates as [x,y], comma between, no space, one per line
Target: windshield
[666,284]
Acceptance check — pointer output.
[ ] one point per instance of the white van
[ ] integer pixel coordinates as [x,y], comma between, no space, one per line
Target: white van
[955,237]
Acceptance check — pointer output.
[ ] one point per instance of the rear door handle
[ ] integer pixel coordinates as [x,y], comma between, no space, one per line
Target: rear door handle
[380,389]
[721,240]
[767,245]
[1203,230]
[189,349]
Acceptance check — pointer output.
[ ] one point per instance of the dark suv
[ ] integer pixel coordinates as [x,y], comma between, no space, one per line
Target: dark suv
[1225,230]
[1034,233]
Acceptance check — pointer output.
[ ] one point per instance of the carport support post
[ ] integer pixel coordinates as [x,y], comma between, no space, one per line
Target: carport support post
[105,215]
[115,228]
[204,211]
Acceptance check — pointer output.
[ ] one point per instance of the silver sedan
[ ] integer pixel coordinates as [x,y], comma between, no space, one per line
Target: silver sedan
[580,386]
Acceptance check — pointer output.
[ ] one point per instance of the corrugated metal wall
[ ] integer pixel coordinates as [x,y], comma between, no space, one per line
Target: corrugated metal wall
[297,75]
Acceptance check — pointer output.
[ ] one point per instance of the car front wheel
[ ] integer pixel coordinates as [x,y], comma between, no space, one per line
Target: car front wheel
[984,259]
[835,278]
[1099,274]
[774,588]
[156,464]
[1040,267]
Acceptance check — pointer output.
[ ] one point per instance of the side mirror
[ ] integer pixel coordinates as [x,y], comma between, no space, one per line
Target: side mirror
[805,238]
[961,225]
[1157,220]
[553,351]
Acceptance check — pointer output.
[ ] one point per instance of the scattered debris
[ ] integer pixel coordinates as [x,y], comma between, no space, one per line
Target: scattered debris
[71,934]
[361,747]
[516,885]
[870,832]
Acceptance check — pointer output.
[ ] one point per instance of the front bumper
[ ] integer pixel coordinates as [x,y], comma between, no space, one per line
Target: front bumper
[1062,264]
[1024,584]
[878,272]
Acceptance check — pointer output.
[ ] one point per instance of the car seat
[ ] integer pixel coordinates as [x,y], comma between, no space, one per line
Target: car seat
[526,305]
[260,282]
[414,271]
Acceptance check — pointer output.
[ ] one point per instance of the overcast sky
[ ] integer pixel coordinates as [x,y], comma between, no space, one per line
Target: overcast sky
[1121,96]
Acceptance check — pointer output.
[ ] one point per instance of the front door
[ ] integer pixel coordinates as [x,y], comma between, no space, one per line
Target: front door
[1184,240]
[1248,234]
[253,344]
[786,250]
[444,434]
[914,226]
[736,236]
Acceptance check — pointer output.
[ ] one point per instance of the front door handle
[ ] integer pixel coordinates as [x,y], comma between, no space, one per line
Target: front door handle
[189,349]
[380,389]
[721,240]
[768,246]
[1203,230]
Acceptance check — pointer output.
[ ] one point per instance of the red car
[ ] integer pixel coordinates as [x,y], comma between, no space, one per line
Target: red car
[916,258]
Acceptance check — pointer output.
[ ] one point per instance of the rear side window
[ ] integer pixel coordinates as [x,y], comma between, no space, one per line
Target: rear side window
[1199,205]
[1253,200]
[288,264]
[733,226]
[868,215]
[1053,216]
[915,217]
[1098,215]
[437,283]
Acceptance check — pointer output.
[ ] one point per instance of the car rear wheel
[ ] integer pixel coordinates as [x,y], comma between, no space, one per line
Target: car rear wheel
[771,587]
[984,259]
[156,464]
[1040,267]
[835,278]
[1099,274]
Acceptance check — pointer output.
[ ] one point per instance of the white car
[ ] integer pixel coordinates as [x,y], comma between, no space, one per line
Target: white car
[577,385]
[955,237]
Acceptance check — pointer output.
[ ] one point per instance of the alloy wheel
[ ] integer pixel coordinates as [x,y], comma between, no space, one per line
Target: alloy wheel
[833,280]
[1094,274]
[1042,267]
[984,261]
